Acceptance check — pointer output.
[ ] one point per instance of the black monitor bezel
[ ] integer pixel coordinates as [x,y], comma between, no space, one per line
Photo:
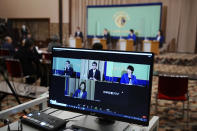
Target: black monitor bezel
[105,115]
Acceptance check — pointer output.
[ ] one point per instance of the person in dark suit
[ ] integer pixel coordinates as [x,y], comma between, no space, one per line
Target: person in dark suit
[30,62]
[24,31]
[94,74]
[81,91]
[160,38]
[68,69]
[107,36]
[78,33]
[129,78]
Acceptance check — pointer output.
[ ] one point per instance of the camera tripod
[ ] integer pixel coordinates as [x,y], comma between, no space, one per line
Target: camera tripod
[2,73]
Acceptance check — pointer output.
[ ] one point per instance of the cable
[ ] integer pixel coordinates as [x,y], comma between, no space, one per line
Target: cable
[71,128]
[126,127]
[20,125]
[46,109]
[7,122]
[53,111]
[73,117]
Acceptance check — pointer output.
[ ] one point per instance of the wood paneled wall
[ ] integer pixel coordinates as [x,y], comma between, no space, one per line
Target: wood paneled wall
[39,28]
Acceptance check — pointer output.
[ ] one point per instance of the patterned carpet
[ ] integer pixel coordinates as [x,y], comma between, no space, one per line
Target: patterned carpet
[9,102]
[177,59]
[170,112]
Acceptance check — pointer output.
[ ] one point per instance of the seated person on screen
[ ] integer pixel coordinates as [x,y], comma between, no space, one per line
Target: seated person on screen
[132,35]
[129,78]
[106,36]
[94,74]
[81,91]
[68,69]
[160,38]
[78,33]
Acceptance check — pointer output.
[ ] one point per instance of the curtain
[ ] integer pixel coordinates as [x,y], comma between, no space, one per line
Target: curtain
[187,28]
[179,19]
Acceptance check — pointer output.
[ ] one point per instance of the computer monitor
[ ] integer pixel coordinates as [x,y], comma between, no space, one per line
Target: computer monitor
[113,85]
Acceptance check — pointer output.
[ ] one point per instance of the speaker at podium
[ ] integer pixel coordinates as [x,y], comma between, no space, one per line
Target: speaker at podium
[126,45]
[75,42]
[151,46]
[100,40]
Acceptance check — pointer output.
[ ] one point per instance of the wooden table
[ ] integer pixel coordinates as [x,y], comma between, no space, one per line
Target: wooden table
[151,46]
[126,45]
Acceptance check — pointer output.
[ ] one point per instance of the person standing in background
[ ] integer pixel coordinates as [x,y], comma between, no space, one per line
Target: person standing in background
[107,37]
[78,33]
[24,31]
[94,73]
[160,38]
[132,35]
[68,70]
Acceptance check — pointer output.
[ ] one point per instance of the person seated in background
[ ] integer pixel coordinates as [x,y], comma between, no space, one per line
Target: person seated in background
[160,38]
[53,43]
[97,46]
[68,70]
[107,36]
[78,33]
[81,91]
[21,44]
[94,74]
[8,45]
[129,78]
[132,35]
[29,37]
[29,61]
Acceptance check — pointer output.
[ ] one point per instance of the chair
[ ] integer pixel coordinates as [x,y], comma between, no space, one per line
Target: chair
[175,88]
[4,52]
[47,56]
[14,70]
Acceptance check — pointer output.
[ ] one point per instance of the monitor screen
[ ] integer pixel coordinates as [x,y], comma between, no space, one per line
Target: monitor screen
[110,84]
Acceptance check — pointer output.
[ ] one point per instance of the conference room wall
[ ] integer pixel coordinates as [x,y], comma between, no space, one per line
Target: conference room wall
[179,20]
[35,9]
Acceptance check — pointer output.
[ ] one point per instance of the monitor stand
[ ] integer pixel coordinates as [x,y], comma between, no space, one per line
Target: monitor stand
[92,123]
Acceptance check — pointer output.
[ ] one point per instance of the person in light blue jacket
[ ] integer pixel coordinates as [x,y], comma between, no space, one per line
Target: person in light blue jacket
[132,35]
[81,91]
